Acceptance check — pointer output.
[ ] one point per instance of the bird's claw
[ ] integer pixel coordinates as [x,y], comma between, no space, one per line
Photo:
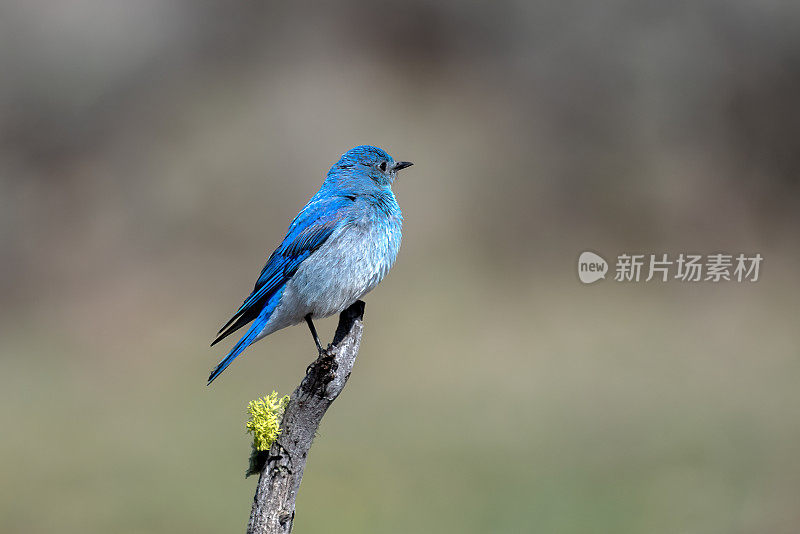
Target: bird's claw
[323,369]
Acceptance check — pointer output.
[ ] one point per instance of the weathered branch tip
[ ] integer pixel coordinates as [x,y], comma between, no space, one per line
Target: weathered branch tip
[282,472]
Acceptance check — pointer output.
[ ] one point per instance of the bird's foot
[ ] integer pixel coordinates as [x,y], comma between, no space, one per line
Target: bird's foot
[322,370]
[328,364]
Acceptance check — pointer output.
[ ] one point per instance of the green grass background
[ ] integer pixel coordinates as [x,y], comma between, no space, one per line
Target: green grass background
[473,407]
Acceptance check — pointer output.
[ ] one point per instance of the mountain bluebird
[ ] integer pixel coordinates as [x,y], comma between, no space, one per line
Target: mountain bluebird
[337,249]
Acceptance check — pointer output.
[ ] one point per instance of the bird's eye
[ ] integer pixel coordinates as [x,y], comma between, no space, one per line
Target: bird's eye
[382,166]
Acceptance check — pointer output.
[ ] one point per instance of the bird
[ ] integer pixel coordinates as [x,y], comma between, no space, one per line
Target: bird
[337,249]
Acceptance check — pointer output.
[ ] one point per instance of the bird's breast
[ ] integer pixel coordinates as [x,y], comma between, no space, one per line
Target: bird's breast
[351,263]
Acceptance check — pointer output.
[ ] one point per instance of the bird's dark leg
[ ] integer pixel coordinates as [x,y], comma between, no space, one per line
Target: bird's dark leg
[314,333]
[323,369]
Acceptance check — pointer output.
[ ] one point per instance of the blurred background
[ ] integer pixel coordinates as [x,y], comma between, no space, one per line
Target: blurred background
[153,153]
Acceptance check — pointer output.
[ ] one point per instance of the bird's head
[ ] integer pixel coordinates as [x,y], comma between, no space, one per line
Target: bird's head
[369,165]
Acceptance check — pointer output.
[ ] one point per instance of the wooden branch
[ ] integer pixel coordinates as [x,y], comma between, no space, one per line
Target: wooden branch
[273,504]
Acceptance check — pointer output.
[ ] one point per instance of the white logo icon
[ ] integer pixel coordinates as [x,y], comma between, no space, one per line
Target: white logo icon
[591,267]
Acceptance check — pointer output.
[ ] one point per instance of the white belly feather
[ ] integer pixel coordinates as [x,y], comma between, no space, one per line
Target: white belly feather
[347,266]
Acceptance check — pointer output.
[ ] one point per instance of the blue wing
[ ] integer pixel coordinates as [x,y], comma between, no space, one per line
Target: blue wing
[309,230]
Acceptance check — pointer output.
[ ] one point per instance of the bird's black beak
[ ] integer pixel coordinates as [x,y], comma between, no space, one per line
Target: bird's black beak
[401,165]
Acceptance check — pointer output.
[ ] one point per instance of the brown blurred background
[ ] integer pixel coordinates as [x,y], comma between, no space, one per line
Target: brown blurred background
[153,153]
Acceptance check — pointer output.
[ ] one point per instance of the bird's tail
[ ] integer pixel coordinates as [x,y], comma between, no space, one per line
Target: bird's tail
[252,333]
[237,349]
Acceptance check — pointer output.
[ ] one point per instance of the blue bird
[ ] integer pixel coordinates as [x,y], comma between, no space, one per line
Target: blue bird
[337,249]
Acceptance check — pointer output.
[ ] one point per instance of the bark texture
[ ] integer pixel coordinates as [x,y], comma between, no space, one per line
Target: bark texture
[273,504]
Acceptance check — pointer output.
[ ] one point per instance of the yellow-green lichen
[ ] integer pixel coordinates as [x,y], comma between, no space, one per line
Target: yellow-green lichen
[265,419]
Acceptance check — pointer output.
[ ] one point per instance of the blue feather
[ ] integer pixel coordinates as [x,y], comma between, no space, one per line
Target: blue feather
[249,337]
[309,230]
